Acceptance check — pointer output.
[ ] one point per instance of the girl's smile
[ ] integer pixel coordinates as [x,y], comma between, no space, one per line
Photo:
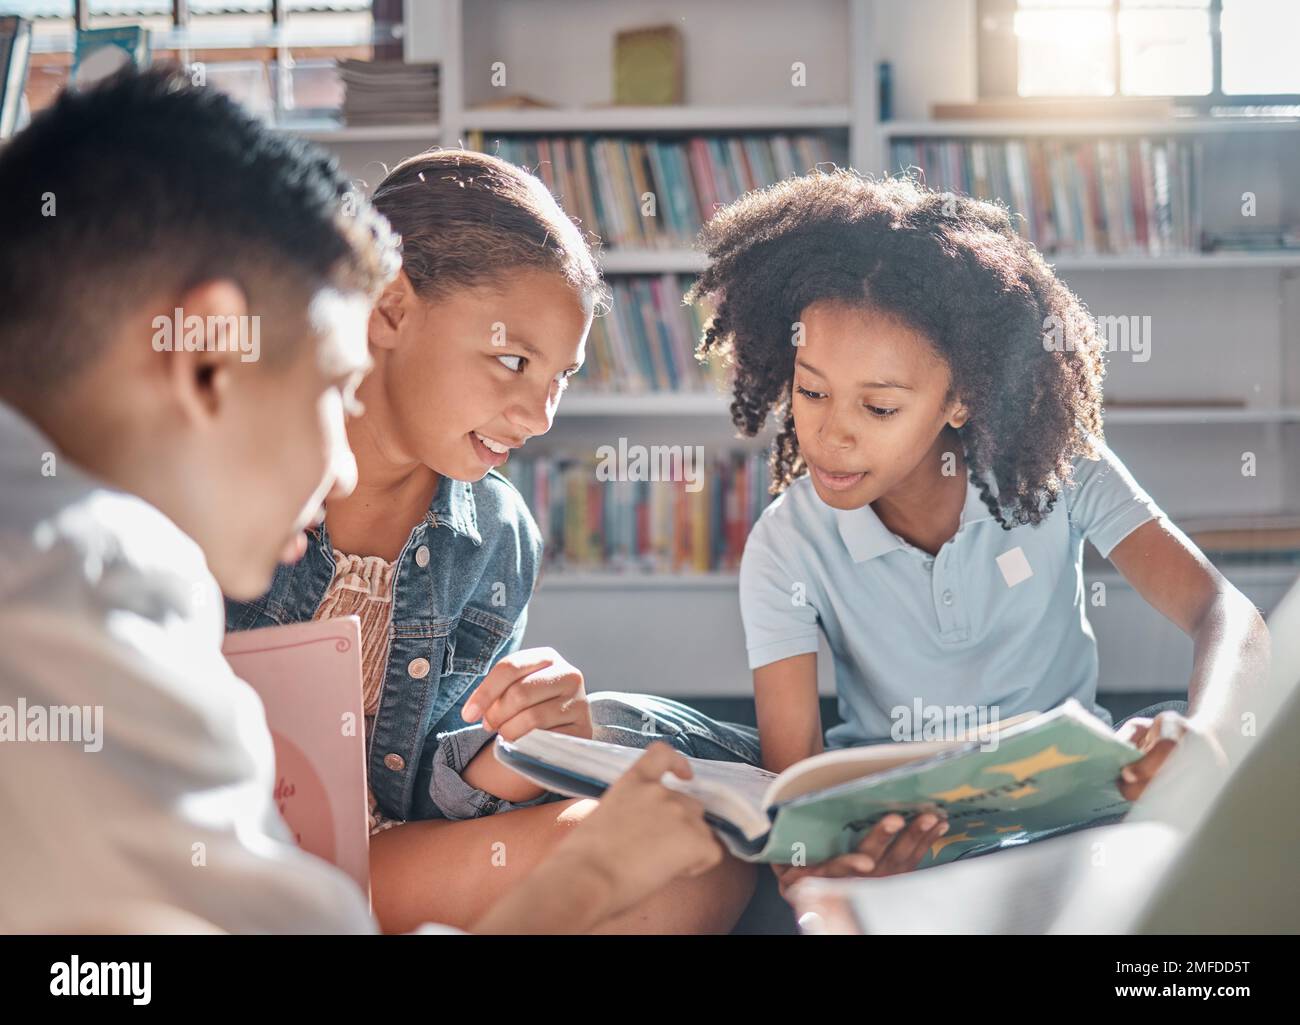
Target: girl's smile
[493,453]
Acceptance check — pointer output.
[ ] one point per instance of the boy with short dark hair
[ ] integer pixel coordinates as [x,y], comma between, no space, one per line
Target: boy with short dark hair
[185,299]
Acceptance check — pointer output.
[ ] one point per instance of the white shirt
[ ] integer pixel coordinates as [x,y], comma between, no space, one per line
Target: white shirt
[997,619]
[105,603]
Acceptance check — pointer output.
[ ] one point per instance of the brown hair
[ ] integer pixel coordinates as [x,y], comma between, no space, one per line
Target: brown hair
[467,218]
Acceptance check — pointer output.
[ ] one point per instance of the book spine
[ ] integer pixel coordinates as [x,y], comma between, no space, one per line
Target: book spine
[643,523]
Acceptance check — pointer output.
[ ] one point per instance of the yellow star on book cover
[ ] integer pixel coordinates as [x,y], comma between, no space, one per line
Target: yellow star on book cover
[957,793]
[944,841]
[1050,758]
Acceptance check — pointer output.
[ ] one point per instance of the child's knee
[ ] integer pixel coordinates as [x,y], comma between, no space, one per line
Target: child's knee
[617,716]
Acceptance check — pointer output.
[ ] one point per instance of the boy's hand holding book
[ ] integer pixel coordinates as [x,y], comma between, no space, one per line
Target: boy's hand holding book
[644,834]
[640,837]
[532,689]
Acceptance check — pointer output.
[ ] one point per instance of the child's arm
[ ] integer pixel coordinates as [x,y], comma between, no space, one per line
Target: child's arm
[1230,640]
[533,689]
[789,730]
[789,717]
[641,837]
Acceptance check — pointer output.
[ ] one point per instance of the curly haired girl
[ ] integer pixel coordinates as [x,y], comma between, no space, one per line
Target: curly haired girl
[937,393]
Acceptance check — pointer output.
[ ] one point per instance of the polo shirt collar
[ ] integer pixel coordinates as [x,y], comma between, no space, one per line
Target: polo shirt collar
[866,536]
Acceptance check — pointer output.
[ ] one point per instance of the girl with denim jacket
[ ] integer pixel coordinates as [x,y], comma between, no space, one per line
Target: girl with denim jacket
[473,345]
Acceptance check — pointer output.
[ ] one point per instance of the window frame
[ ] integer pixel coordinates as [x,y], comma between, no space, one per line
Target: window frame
[382,12]
[998,60]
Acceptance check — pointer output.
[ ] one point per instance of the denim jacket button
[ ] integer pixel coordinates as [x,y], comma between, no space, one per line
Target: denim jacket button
[395,762]
[422,556]
[418,668]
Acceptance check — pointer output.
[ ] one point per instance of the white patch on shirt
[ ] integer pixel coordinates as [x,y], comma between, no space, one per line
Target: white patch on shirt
[1014,566]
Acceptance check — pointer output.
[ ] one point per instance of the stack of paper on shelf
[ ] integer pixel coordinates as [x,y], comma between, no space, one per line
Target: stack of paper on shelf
[388,92]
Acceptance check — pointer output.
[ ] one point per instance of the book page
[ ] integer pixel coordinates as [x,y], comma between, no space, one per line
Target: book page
[1023,890]
[731,790]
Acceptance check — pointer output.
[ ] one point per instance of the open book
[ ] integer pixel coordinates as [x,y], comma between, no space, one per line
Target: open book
[308,676]
[1036,776]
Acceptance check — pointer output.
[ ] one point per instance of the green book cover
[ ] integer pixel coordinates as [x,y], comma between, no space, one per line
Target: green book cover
[1043,777]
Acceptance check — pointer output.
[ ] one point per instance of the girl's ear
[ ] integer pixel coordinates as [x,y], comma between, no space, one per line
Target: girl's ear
[959,416]
[393,307]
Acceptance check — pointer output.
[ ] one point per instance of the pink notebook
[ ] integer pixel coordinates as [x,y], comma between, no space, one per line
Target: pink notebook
[309,678]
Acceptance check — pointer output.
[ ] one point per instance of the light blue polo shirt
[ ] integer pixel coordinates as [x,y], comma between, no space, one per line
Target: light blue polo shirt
[996,618]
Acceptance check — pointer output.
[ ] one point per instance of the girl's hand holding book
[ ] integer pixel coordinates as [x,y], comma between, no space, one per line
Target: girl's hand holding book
[533,689]
[1156,739]
[891,847]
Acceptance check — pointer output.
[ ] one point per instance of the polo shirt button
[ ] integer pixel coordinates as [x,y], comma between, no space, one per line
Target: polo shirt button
[418,668]
[394,761]
[947,597]
[422,556]
[929,564]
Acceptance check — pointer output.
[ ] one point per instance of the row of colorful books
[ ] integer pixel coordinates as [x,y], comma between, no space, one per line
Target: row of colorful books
[1076,196]
[646,342]
[644,508]
[656,193]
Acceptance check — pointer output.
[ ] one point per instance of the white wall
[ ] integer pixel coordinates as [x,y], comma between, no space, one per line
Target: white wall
[931,47]
[561,51]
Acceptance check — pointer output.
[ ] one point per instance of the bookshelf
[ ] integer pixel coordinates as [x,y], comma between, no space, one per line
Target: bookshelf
[996,129]
[689,261]
[1224,373]
[672,120]
[715,404]
[332,130]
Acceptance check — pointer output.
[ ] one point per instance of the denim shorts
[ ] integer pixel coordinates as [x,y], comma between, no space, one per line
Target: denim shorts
[638,720]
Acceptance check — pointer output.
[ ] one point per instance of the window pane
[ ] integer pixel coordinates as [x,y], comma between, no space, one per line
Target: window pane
[1061,4]
[1165,52]
[37,8]
[1065,52]
[1260,42]
[1203,5]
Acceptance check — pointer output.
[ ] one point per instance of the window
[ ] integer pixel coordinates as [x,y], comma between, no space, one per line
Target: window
[275,56]
[1201,52]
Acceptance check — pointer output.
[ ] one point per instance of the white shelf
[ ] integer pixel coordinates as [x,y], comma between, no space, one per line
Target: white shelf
[1002,129]
[676,404]
[630,120]
[652,261]
[1269,572]
[1191,415]
[702,403]
[1178,261]
[331,130]
[690,261]
[597,580]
